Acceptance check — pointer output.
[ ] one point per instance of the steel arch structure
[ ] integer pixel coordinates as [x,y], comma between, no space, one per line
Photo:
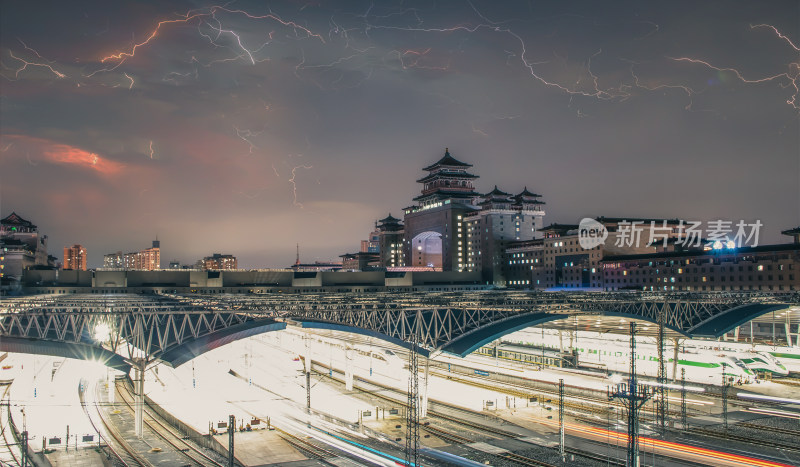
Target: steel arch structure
[175,328]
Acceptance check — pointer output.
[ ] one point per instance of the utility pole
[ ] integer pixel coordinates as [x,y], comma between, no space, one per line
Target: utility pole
[231,430]
[24,447]
[683,398]
[633,397]
[307,362]
[561,419]
[724,400]
[308,390]
[661,407]
[412,414]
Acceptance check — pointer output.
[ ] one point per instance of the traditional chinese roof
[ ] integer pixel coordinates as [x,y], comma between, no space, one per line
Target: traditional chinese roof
[497,193]
[527,194]
[446,174]
[444,193]
[447,161]
[14,219]
[389,220]
[791,232]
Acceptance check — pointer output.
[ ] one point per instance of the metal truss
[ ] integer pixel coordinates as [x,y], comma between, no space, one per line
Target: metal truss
[147,326]
[132,326]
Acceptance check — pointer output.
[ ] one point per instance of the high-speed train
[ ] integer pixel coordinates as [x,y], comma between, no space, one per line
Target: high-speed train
[612,353]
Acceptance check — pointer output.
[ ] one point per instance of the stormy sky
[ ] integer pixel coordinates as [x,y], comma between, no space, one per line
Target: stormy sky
[247,127]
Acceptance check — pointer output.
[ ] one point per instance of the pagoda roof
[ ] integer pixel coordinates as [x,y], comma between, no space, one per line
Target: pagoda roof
[447,161]
[390,219]
[497,193]
[444,193]
[794,231]
[527,194]
[519,201]
[446,174]
[16,219]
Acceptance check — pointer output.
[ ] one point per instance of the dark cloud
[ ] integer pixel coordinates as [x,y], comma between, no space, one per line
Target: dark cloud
[249,127]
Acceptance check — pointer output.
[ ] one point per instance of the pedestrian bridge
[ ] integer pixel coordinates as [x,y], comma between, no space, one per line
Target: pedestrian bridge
[125,328]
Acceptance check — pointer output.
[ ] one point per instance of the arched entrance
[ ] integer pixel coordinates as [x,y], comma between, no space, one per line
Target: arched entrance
[426,250]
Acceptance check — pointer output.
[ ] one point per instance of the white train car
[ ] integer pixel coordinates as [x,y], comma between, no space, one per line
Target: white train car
[612,354]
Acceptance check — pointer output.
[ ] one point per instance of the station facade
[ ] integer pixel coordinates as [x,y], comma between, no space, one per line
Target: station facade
[452,227]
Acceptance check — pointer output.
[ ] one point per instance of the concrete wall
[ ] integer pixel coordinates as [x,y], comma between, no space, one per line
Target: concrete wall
[307,279]
[446,277]
[236,281]
[264,277]
[36,276]
[72,277]
[372,278]
[110,279]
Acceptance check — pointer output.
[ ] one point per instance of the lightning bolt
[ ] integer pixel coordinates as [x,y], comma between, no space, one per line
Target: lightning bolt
[792,80]
[777,33]
[294,184]
[152,152]
[127,76]
[245,134]
[203,14]
[27,63]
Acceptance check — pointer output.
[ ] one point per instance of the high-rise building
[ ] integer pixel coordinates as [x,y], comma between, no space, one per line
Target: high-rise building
[145,260]
[75,257]
[150,258]
[114,260]
[502,218]
[218,261]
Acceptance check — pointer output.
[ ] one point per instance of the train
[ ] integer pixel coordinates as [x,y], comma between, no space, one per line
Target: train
[699,361]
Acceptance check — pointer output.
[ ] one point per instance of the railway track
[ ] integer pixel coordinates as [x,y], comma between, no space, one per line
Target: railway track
[596,457]
[745,439]
[455,438]
[520,391]
[459,421]
[119,448]
[310,449]
[168,434]
[772,429]
[522,460]
[446,435]
[5,427]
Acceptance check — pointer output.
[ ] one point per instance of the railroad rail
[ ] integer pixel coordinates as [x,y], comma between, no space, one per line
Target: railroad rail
[170,436]
[127,458]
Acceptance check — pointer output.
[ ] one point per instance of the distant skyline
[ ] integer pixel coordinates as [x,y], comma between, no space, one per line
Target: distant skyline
[245,128]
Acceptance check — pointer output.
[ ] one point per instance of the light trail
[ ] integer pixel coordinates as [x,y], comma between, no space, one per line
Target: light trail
[694,453]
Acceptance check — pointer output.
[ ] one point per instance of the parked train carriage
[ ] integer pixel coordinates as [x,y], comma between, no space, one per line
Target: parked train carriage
[703,367]
[779,360]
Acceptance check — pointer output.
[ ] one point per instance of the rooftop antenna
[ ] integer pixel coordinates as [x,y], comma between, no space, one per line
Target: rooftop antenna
[297,260]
